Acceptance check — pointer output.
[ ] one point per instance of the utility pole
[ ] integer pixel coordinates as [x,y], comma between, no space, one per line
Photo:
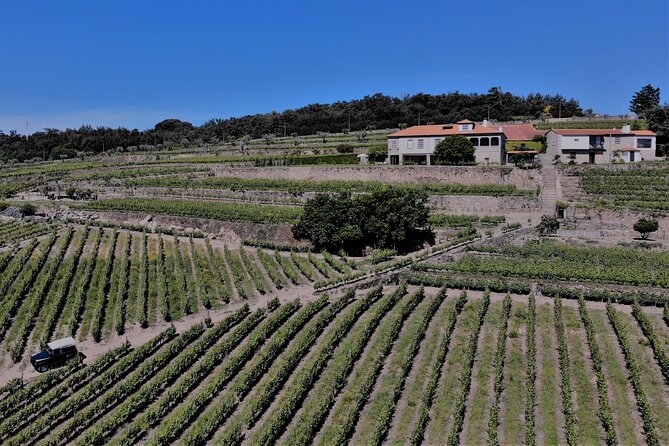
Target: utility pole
[27,129]
[284,128]
[418,118]
[349,123]
[560,108]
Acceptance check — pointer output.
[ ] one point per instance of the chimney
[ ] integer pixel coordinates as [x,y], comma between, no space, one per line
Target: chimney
[485,123]
[626,128]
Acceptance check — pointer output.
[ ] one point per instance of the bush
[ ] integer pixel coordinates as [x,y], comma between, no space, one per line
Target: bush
[27,209]
[548,225]
[345,148]
[645,227]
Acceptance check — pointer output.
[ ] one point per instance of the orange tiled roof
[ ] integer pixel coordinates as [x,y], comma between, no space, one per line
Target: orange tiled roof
[521,132]
[601,132]
[444,130]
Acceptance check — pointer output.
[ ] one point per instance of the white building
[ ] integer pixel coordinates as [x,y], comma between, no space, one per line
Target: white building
[416,144]
[602,146]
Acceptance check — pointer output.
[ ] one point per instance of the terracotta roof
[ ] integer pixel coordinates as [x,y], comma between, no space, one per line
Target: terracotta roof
[521,132]
[465,121]
[631,149]
[515,152]
[439,130]
[601,132]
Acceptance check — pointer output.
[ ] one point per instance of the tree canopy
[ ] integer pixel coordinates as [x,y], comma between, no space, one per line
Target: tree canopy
[376,111]
[390,217]
[645,227]
[645,99]
[456,149]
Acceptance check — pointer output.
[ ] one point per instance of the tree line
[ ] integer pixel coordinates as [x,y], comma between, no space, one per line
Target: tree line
[377,111]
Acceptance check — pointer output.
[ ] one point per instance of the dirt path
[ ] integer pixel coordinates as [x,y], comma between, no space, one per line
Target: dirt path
[383,394]
[481,393]
[654,384]
[138,336]
[626,417]
[513,425]
[414,389]
[370,351]
[549,418]
[325,380]
[315,348]
[583,379]
[449,387]
[205,382]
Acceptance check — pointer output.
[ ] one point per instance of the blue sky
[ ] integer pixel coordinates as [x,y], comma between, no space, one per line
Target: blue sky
[134,63]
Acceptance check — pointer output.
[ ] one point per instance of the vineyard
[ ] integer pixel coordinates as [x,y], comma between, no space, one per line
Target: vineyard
[96,283]
[548,260]
[201,209]
[13,231]
[299,187]
[390,365]
[202,319]
[645,187]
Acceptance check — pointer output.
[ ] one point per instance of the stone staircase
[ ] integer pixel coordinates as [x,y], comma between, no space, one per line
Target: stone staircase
[550,186]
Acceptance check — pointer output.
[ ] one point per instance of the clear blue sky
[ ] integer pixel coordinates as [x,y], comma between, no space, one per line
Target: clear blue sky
[133,63]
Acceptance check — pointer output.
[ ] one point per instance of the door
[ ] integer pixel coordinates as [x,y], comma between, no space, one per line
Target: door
[631,157]
[592,158]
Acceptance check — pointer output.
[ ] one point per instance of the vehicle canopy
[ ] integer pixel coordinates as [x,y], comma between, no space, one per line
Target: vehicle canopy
[61,343]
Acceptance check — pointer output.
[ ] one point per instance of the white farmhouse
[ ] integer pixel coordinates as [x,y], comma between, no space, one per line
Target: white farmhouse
[415,145]
[602,146]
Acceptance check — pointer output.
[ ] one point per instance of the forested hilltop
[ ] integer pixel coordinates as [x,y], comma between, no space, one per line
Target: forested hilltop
[376,111]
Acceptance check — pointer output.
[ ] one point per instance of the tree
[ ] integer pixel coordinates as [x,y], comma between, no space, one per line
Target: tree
[645,99]
[658,120]
[394,216]
[455,149]
[549,225]
[330,222]
[645,227]
[378,153]
[389,217]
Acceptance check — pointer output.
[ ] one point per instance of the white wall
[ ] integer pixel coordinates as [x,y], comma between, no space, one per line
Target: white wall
[493,153]
[571,143]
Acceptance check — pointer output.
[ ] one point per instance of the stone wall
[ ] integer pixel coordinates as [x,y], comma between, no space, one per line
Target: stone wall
[482,205]
[525,179]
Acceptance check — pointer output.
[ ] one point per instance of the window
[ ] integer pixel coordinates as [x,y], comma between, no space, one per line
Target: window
[393,144]
[617,139]
[485,141]
[421,144]
[437,141]
[494,141]
[644,143]
[475,141]
[410,144]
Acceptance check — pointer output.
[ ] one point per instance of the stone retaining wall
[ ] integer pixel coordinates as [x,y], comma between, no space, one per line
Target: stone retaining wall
[525,179]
